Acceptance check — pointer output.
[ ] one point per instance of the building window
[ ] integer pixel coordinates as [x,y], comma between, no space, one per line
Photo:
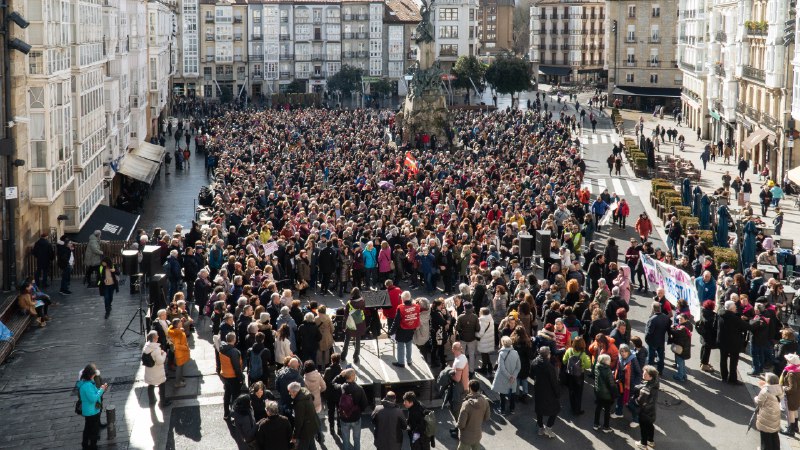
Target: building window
[653,78]
[656,11]
[448,31]
[631,11]
[448,50]
[35,63]
[448,13]
[472,14]
[629,78]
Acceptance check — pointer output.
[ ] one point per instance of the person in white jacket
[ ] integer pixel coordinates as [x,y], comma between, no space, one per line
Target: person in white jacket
[156,375]
[485,336]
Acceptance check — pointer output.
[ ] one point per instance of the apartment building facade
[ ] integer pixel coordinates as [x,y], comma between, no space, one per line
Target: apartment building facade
[723,55]
[455,30]
[692,54]
[76,87]
[495,26]
[764,85]
[260,47]
[567,41]
[641,54]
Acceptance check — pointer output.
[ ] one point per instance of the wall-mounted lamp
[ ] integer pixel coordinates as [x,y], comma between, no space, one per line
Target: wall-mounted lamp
[62,217]
[19,162]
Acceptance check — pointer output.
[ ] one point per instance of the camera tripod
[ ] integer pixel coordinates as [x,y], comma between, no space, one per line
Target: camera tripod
[140,283]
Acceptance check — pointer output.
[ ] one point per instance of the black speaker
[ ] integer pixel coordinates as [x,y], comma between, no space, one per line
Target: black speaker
[525,245]
[151,262]
[543,243]
[130,262]
[158,289]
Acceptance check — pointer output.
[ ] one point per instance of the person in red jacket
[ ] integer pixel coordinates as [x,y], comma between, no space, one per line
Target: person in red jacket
[394,299]
[623,211]
[403,327]
[643,226]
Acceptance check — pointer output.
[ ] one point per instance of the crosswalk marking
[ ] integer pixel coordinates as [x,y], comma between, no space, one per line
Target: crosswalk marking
[632,188]
[597,185]
[617,186]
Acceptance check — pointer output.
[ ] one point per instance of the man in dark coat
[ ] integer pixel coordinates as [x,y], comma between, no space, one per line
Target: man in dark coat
[327,265]
[274,431]
[596,272]
[306,423]
[614,303]
[44,254]
[416,422]
[65,253]
[546,392]
[191,267]
[655,335]
[730,339]
[389,423]
[332,395]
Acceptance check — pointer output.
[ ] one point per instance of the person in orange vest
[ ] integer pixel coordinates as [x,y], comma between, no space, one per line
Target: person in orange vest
[230,370]
[402,330]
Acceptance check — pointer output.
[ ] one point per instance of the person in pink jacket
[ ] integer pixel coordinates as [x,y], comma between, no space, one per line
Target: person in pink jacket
[623,282]
[384,262]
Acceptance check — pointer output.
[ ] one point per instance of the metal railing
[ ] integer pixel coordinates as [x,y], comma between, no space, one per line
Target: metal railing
[721,36]
[753,73]
[256,37]
[285,56]
[719,69]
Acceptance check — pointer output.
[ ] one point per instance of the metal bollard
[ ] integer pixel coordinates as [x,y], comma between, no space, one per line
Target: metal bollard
[111,421]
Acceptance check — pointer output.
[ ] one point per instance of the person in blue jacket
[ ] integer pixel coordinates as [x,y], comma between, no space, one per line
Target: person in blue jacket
[599,208]
[91,408]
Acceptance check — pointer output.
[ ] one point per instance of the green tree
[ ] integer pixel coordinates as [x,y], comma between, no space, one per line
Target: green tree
[520,34]
[382,87]
[509,75]
[468,68]
[346,80]
[296,87]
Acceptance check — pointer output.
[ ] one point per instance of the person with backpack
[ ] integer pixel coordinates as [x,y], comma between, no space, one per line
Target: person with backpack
[546,392]
[355,325]
[352,402]
[259,361]
[407,320]
[420,433]
[577,364]
[153,359]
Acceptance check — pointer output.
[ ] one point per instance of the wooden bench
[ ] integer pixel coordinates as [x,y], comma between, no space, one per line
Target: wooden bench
[16,321]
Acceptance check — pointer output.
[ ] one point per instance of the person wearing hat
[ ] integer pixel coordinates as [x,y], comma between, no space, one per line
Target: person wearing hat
[790,380]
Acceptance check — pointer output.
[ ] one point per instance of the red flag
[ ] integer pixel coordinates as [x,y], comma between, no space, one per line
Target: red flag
[411,163]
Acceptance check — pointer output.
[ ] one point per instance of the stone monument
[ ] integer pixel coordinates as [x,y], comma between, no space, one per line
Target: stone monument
[425,107]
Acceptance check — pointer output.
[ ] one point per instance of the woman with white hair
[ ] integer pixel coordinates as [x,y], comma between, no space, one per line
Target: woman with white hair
[768,412]
[505,379]
[605,392]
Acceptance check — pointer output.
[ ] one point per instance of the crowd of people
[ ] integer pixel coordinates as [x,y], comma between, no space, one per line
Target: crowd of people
[314,201]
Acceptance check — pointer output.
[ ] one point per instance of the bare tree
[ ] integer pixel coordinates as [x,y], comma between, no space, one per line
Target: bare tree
[521,30]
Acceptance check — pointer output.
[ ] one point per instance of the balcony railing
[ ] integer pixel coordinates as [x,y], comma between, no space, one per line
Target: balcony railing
[755,33]
[238,58]
[753,73]
[719,69]
[237,37]
[740,107]
[224,77]
[769,121]
[448,53]
[285,75]
[630,63]
[303,57]
[347,17]
[209,37]
[630,39]
[256,57]
[284,36]
[285,19]
[318,57]
[362,17]
[237,19]
[652,63]
[721,36]
[348,34]
[285,56]
[754,113]
[655,39]
[256,37]
[361,35]
[209,19]
[258,76]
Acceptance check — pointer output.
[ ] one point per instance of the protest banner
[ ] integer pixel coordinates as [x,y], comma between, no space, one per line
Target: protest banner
[677,284]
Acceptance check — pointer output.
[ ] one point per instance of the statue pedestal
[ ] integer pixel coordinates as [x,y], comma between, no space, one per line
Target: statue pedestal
[425,114]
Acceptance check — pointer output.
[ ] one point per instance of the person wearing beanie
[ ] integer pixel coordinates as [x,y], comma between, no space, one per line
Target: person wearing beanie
[467,325]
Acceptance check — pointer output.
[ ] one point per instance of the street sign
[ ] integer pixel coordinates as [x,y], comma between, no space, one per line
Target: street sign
[11,192]
[448,77]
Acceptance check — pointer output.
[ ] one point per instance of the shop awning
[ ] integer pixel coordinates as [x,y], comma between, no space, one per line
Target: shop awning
[755,137]
[637,91]
[115,224]
[150,151]
[555,70]
[794,175]
[139,168]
